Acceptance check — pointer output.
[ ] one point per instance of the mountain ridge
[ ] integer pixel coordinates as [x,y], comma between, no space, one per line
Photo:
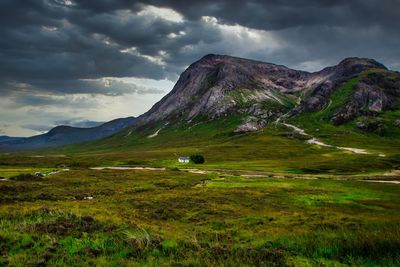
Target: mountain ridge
[64,135]
[217,85]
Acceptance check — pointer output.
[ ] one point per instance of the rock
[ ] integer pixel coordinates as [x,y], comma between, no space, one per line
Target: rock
[397,123]
[80,197]
[39,174]
[370,124]
[247,127]
[88,218]
[290,135]
[250,124]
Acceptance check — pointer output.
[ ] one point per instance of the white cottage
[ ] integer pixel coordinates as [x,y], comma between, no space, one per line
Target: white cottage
[184,159]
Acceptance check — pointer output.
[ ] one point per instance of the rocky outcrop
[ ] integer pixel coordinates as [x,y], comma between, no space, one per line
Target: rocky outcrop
[330,79]
[373,93]
[371,124]
[250,124]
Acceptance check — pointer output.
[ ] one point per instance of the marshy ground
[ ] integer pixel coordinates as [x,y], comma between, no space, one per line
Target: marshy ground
[155,218]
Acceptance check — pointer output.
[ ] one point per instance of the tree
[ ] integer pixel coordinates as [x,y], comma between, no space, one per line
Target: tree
[197,159]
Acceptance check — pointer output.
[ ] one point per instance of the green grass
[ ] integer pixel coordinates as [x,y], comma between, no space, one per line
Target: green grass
[170,218]
[268,150]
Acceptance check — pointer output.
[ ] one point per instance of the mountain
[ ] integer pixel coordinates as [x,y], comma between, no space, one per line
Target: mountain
[221,105]
[219,85]
[5,138]
[63,135]
[246,114]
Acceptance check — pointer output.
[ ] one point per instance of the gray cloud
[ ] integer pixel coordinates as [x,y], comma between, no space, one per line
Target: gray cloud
[79,123]
[38,127]
[75,123]
[54,41]
[104,86]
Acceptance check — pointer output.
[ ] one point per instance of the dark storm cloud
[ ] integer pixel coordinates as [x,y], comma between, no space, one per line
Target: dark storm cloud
[271,14]
[63,47]
[79,123]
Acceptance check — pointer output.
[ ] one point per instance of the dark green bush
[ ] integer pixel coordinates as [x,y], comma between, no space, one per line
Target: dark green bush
[25,177]
[197,159]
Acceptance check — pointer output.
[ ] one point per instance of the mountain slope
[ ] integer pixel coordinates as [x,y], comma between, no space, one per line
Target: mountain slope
[5,138]
[63,135]
[217,86]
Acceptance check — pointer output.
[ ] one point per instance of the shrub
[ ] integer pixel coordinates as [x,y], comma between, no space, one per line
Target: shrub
[25,177]
[138,237]
[197,159]
[371,124]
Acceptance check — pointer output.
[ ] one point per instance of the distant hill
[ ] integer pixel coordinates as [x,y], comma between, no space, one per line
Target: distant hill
[63,135]
[5,138]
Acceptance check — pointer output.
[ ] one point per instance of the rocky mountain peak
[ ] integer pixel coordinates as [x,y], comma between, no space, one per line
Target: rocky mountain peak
[354,65]
[365,62]
[218,85]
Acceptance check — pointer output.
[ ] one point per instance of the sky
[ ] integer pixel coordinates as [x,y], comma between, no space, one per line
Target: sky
[81,62]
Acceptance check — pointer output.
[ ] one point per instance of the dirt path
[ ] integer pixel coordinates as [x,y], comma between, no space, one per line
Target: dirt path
[154,134]
[296,129]
[381,181]
[129,168]
[316,141]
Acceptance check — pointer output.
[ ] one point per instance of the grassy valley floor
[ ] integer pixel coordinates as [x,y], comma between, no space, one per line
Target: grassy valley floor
[85,217]
[266,198]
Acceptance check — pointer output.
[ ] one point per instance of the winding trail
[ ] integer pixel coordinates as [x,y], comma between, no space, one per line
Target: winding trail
[381,181]
[154,134]
[316,141]
[129,168]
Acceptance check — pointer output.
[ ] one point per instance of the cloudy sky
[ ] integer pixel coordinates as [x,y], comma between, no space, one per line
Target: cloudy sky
[78,62]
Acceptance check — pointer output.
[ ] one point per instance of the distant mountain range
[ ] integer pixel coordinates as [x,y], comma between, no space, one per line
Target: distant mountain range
[64,135]
[5,138]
